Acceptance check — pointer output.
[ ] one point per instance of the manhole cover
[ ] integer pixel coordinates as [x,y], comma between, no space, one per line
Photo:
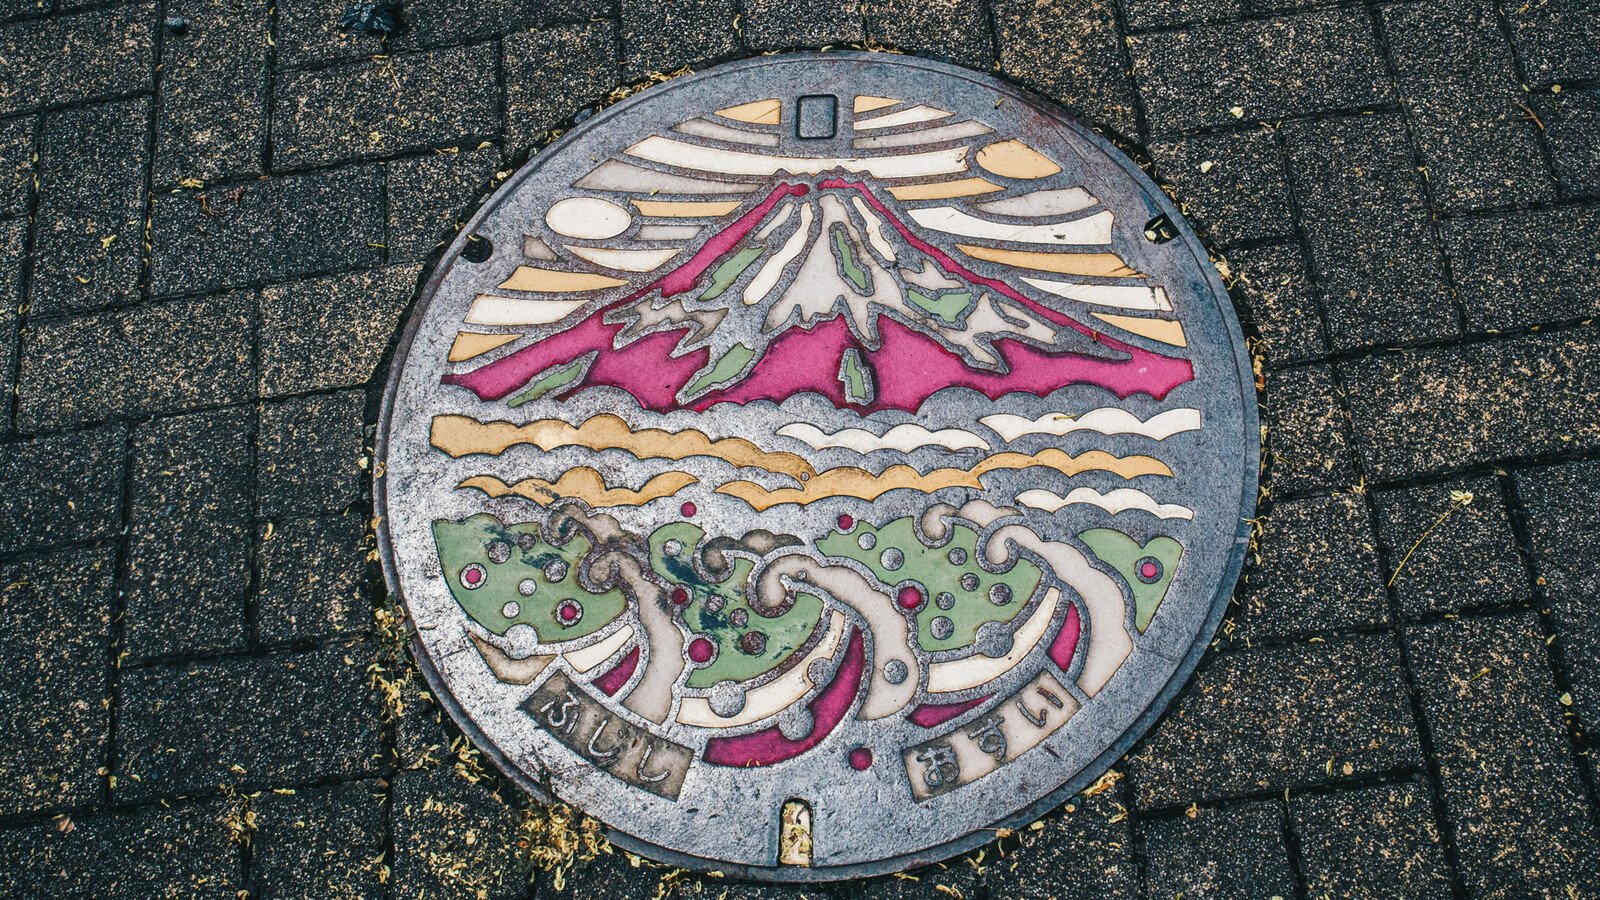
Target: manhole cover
[815,463]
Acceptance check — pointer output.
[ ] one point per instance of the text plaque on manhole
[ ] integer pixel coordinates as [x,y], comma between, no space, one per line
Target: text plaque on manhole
[816,463]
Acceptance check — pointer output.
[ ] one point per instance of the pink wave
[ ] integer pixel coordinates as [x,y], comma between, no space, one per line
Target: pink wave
[768,746]
[929,715]
[613,680]
[1066,640]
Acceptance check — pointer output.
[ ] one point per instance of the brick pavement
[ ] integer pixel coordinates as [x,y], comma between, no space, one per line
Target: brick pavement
[1406,196]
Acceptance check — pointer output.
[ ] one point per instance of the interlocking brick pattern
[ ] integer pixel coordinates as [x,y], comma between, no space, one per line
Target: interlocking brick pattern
[207,239]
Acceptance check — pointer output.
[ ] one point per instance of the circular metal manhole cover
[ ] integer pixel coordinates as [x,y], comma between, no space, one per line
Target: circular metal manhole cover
[817,462]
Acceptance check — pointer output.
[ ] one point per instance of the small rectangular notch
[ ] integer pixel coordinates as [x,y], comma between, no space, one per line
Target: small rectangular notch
[816,117]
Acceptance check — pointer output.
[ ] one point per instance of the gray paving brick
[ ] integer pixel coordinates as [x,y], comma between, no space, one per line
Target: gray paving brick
[1236,852]
[1269,69]
[1370,842]
[785,24]
[1266,7]
[936,882]
[213,92]
[1564,542]
[1269,719]
[1049,864]
[330,332]
[89,247]
[1556,39]
[552,12]
[319,842]
[434,23]
[309,32]
[1318,572]
[1071,52]
[1146,14]
[1308,443]
[313,579]
[56,613]
[453,838]
[275,720]
[1467,561]
[429,195]
[956,30]
[1434,410]
[272,230]
[552,74]
[385,106]
[1516,805]
[308,460]
[13,246]
[16,164]
[1233,187]
[1454,72]
[189,534]
[111,52]
[1276,290]
[1368,226]
[1529,268]
[60,488]
[423,732]
[23,9]
[663,35]
[613,876]
[186,850]
[154,359]
[1571,122]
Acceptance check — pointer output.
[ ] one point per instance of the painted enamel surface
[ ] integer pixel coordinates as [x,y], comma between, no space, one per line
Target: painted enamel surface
[819,428]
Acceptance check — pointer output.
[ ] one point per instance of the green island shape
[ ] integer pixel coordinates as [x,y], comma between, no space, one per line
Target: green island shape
[711,607]
[728,365]
[1123,554]
[552,379]
[933,568]
[526,557]
[947,307]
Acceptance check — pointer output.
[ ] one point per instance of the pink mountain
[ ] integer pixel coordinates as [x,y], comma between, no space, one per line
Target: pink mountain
[908,366]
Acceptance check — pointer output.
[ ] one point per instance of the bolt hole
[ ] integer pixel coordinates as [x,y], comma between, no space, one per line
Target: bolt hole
[478,249]
[1160,230]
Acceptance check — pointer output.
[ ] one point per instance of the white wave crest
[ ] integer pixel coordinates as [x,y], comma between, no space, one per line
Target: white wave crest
[904,438]
[1105,420]
[1117,501]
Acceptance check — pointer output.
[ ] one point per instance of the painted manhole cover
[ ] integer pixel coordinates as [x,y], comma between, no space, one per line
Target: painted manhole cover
[817,462]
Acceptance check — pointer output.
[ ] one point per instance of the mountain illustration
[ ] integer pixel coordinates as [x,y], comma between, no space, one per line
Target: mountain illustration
[821,287]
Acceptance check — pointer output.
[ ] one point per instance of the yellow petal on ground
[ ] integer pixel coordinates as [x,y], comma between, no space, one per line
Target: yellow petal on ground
[624,260]
[1014,159]
[1167,331]
[944,190]
[865,103]
[848,481]
[553,281]
[761,112]
[470,344]
[1107,264]
[686,209]
[582,483]
[462,435]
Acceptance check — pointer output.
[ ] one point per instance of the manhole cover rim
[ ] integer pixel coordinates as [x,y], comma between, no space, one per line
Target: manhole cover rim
[1249,436]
